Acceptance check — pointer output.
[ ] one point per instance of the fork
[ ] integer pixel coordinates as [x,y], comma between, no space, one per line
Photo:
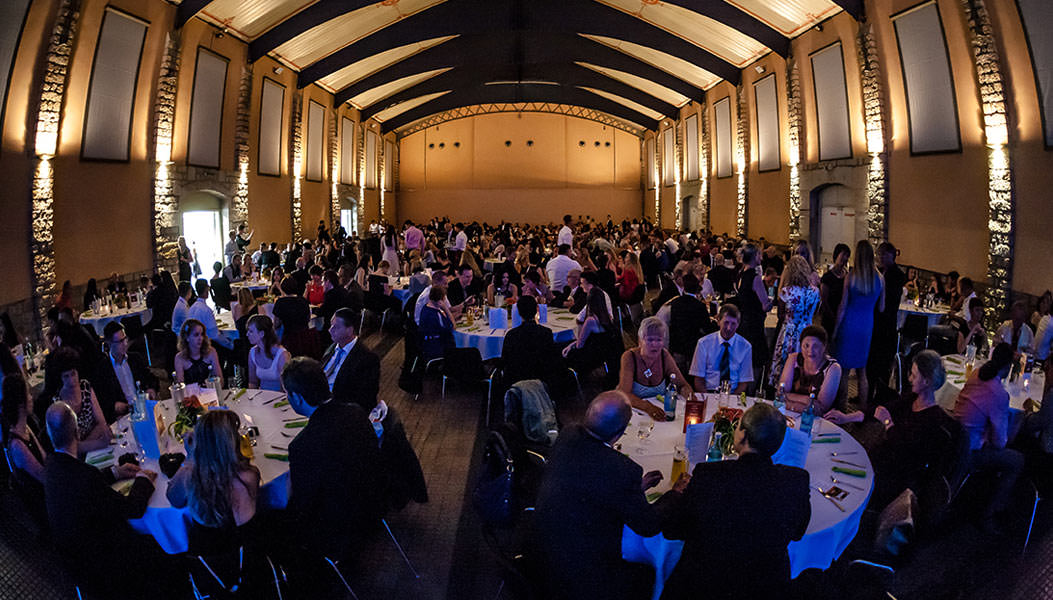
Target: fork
[823,493]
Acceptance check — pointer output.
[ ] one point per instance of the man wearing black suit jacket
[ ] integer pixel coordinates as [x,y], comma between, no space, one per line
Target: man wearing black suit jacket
[669,291]
[335,491]
[589,492]
[572,296]
[335,297]
[737,518]
[118,373]
[529,351]
[353,372]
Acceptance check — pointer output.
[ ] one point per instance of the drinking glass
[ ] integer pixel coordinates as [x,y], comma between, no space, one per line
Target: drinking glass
[643,432]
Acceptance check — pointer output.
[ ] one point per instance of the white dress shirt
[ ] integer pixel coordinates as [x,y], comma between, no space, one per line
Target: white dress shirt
[461,241]
[557,269]
[1044,338]
[179,314]
[125,377]
[964,312]
[1005,334]
[201,311]
[566,236]
[332,368]
[610,308]
[706,362]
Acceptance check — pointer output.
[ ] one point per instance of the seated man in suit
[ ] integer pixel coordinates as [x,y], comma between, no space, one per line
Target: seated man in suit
[334,482]
[220,287]
[119,372]
[572,296]
[461,289]
[738,517]
[589,493]
[88,518]
[670,291]
[353,372]
[334,298]
[529,351]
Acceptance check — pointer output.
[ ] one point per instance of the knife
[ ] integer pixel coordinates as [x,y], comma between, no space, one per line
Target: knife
[845,462]
[832,501]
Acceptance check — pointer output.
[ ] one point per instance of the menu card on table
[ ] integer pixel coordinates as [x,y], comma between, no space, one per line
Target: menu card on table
[794,449]
[498,318]
[697,441]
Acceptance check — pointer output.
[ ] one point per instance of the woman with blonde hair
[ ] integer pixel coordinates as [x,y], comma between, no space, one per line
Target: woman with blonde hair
[800,298]
[196,359]
[646,368]
[864,289]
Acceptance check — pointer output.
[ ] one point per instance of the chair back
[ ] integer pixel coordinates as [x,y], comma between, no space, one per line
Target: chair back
[915,327]
[529,409]
[943,339]
[463,364]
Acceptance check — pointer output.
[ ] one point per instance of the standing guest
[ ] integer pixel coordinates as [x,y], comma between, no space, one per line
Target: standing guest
[811,369]
[529,350]
[502,286]
[983,410]
[647,368]
[414,238]
[182,305]
[92,431]
[65,297]
[352,371]
[832,287]
[559,266]
[22,444]
[754,305]
[244,237]
[267,357]
[232,246]
[800,298]
[257,256]
[803,249]
[196,360]
[161,300]
[91,294]
[202,312]
[84,512]
[120,373]
[884,339]
[723,355]
[566,233]
[323,232]
[1014,331]
[965,293]
[333,473]
[864,289]
[971,332]
[687,320]
[738,517]
[589,493]
[390,243]
[219,287]
[314,291]
[186,258]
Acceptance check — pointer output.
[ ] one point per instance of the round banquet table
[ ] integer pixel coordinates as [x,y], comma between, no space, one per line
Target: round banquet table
[489,340]
[402,293]
[829,530]
[1019,391]
[168,525]
[253,285]
[99,321]
[931,314]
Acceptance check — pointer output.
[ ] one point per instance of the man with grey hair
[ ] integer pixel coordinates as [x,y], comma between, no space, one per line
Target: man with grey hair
[589,493]
[737,517]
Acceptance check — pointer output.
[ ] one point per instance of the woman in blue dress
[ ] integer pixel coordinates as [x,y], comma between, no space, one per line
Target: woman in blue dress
[864,290]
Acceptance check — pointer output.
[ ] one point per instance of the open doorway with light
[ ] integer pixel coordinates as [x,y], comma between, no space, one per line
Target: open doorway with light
[349,215]
[204,225]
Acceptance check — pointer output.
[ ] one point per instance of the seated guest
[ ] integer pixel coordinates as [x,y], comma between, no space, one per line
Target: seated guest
[533,285]
[1015,331]
[314,291]
[687,320]
[22,444]
[630,276]
[436,325]
[245,309]
[89,519]
[196,360]
[201,312]
[590,492]
[68,387]
[334,296]
[275,286]
[270,257]
[971,332]
[670,291]
[913,440]
[182,305]
[438,279]
[267,358]
[590,281]
[300,275]
[352,371]
[982,409]
[462,288]
[333,463]
[503,286]
[723,355]
[645,369]
[217,482]
[116,285]
[161,300]
[66,334]
[119,373]
[572,296]
[91,294]
[737,517]
[813,370]
[233,271]
[355,293]
[529,351]
[1042,309]
[596,325]
[378,290]
[965,292]
[292,315]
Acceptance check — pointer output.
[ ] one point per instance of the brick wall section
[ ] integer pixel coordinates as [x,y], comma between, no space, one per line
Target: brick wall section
[166,200]
[793,110]
[334,173]
[874,118]
[296,160]
[239,205]
[743,141]
[703,152]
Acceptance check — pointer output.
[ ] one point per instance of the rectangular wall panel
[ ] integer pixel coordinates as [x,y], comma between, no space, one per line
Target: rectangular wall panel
[668,156]
[12,17]
[931,106]
[389,165]
[691,146]
[272,107]
[831,103]
[347,150]
[722,117]
[649,162]
[767,104]
[371,160]
[206,109]
[1037,16]
[315,141]
[111,95]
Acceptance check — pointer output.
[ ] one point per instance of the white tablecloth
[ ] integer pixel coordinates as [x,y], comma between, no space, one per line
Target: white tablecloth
[99,322]
[251,284]
[402,293]
[829,530]
[932,314]
[168,525]
[489,341]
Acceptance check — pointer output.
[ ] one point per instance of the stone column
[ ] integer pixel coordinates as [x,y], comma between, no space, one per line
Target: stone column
[296,160]
[334,171]
[166,202]
[703,169]
[793,110]
[239,206]
[742,155]
[874,118]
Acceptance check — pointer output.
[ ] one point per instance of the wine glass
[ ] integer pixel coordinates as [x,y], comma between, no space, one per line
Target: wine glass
[643,432]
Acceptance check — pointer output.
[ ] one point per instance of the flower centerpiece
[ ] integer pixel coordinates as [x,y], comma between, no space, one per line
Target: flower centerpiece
[725,422]
[186,417]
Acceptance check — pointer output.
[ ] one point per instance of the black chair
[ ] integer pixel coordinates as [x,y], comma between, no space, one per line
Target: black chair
[465,365]
[133,328]
[230,575]
[915,329]
[943,339]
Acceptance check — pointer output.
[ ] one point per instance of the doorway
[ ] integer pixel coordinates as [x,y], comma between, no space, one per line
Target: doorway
[204,225]
[349,216]
[832,219]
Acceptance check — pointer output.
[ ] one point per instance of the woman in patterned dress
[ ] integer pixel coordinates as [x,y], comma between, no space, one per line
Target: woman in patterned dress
[801,298]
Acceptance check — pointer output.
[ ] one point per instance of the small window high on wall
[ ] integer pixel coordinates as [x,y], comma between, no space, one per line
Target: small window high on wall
[371,160]
[389,165]
[111,95]
[1037,16]
[272,103]
[691,146]
[206,109]
[315,141]
[12,17]
[722,122]
[831,103]
[668,157]
[649,162]
[767,105]
[931,106]
[347,151]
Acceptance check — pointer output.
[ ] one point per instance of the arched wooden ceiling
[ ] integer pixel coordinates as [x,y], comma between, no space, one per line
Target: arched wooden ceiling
[403,60]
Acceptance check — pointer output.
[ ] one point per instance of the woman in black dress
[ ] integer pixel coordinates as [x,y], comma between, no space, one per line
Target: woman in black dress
[292,313]
[197,359]
[832,287]
[186,258]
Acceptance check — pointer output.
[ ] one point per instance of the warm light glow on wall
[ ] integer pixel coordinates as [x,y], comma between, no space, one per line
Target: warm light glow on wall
[793,110]
[47,140]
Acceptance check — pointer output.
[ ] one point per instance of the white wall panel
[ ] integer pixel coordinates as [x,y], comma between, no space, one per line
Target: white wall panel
[649,162]
[315,141]
[767,104]
[12,16]
[668,156]
[111,95]
[831,103]
[931,107]
[389,165]
[691,146]
[206,109]
[347,150]
[1038,22]
[722,116]
[371,160]
[272,105]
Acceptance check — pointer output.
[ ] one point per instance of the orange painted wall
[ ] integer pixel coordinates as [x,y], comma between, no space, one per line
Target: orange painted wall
[269,215]
[768,208]
[723,192]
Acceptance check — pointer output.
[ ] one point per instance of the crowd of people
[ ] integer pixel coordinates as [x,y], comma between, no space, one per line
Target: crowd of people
[697,303]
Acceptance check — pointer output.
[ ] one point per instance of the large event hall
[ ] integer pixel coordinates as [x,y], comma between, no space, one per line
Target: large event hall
[526,299]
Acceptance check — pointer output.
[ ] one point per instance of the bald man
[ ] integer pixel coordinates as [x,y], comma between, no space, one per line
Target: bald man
[590,491]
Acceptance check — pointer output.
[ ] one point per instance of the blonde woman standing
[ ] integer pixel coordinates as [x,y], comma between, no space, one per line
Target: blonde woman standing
[801,298]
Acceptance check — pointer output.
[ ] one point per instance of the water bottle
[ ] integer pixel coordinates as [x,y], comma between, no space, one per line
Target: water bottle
[139,408]
[808,416]
[178,390]
[670,398]
[714,454]
[780,396]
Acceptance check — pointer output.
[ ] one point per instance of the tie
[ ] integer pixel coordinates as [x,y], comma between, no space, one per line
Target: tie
[725,363]
[333,363]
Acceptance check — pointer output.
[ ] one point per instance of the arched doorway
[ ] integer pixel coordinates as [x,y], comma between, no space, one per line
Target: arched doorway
[832,219]
[349,215]
[203,216]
